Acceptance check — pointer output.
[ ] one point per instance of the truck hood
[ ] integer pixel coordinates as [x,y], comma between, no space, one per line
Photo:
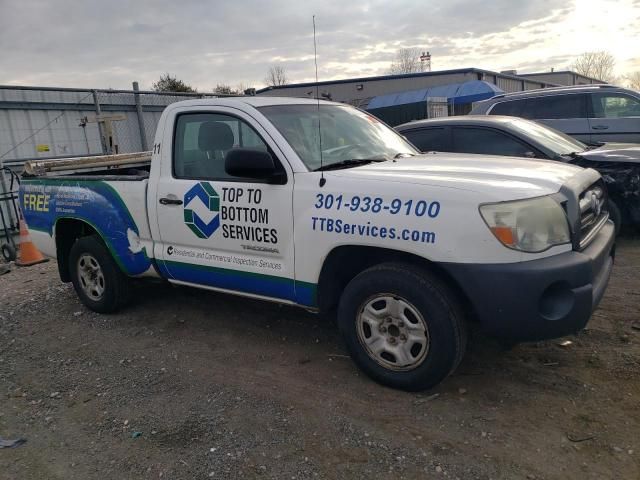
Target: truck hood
[496,175]
[614,152]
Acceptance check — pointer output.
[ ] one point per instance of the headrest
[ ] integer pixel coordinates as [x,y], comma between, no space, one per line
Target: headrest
[215,136]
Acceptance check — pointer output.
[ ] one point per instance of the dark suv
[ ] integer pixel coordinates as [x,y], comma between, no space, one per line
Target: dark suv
[592,114]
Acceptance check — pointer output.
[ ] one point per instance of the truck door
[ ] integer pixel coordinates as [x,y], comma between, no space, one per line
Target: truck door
[217,230]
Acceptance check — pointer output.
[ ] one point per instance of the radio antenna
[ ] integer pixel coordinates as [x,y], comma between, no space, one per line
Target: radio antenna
[315,59]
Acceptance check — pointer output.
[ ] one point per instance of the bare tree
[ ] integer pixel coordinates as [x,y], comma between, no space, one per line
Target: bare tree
[276,75]
[242,87]
[167,83]
[407,60]
[224,89]
[633,80]
[597,65]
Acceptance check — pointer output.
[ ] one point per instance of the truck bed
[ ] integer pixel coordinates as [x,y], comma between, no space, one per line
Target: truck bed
[114,206]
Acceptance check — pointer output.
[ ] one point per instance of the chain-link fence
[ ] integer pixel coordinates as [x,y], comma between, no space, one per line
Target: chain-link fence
[50,123]
[128,120]
[39,123]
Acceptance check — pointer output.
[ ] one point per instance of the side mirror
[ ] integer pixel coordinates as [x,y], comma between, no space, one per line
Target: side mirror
[529,154]
[249,163]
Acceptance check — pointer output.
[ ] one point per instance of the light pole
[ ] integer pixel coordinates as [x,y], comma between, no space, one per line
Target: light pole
[425,60]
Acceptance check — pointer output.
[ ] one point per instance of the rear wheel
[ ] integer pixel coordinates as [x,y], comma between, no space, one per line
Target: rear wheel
[402,326]
[96,277]
[8,252]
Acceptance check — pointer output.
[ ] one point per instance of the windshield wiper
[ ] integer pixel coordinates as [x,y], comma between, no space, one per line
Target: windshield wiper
[350,162]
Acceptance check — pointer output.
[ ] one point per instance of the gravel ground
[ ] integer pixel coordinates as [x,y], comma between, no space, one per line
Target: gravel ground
[191,384]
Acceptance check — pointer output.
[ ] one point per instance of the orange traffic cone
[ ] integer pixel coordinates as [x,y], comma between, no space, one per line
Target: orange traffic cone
[28,254]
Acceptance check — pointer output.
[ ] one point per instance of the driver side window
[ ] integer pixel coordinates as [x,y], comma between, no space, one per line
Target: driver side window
[487,141]
[202,141]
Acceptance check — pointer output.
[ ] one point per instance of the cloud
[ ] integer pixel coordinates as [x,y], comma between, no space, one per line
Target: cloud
[110,44]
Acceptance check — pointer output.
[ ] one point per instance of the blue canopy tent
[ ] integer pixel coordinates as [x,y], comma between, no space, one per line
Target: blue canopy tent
[396,108]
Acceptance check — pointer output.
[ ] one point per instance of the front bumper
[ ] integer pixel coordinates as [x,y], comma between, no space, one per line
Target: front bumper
[539,299]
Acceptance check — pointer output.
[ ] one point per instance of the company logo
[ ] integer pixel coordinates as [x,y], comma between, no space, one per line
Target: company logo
[170,250]
[208,196]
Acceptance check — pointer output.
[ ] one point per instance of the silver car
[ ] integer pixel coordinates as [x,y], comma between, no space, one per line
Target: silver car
[592,114]
[618,163]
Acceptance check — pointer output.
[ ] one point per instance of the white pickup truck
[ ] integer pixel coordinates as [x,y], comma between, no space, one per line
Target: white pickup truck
[323,206]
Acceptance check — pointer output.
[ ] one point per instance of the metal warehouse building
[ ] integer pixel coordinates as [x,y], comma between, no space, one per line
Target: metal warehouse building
[400,98]
[564,77]
[360,91]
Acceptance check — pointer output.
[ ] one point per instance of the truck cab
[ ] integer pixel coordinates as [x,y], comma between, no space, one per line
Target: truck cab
[321,205]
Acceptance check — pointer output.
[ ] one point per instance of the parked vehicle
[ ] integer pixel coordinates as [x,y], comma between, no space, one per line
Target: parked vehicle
[9,216]
[618,163]
[325,207]
[592,114]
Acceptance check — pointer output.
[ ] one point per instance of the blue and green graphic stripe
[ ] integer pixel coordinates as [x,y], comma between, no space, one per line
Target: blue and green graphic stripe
[98,204]
[303,293]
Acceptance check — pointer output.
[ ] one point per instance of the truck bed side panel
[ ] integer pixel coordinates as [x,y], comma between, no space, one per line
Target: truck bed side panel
[116,210]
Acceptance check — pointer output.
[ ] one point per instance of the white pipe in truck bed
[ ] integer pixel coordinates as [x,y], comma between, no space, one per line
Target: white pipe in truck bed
[71,166]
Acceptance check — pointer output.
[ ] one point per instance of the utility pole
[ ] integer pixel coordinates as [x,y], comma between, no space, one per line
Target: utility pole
[139,112]
[103,142]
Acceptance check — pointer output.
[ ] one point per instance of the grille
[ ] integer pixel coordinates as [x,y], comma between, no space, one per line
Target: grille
[593,212]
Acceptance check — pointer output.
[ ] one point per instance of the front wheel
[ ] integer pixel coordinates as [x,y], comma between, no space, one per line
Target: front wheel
[96,277]
[402,326]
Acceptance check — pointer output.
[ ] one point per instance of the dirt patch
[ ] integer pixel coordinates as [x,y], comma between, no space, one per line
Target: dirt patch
[191,384]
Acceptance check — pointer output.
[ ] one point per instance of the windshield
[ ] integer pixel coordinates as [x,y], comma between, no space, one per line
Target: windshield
[557,142]
[347,134]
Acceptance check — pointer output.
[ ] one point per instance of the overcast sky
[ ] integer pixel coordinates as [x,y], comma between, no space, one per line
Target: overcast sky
[109,44]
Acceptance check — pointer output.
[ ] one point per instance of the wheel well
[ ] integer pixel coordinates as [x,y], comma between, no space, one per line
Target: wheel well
[68,230]
[344,263]
[628,213]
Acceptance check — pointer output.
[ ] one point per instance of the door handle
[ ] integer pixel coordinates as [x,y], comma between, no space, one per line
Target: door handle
[600,127]
[170,201]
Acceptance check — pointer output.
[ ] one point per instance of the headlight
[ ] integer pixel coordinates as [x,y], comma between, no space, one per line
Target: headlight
[532,225]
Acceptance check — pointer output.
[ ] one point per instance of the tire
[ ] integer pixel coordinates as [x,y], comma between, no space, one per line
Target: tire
[615,216]
[419,298]
[8,252]
[96,277]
